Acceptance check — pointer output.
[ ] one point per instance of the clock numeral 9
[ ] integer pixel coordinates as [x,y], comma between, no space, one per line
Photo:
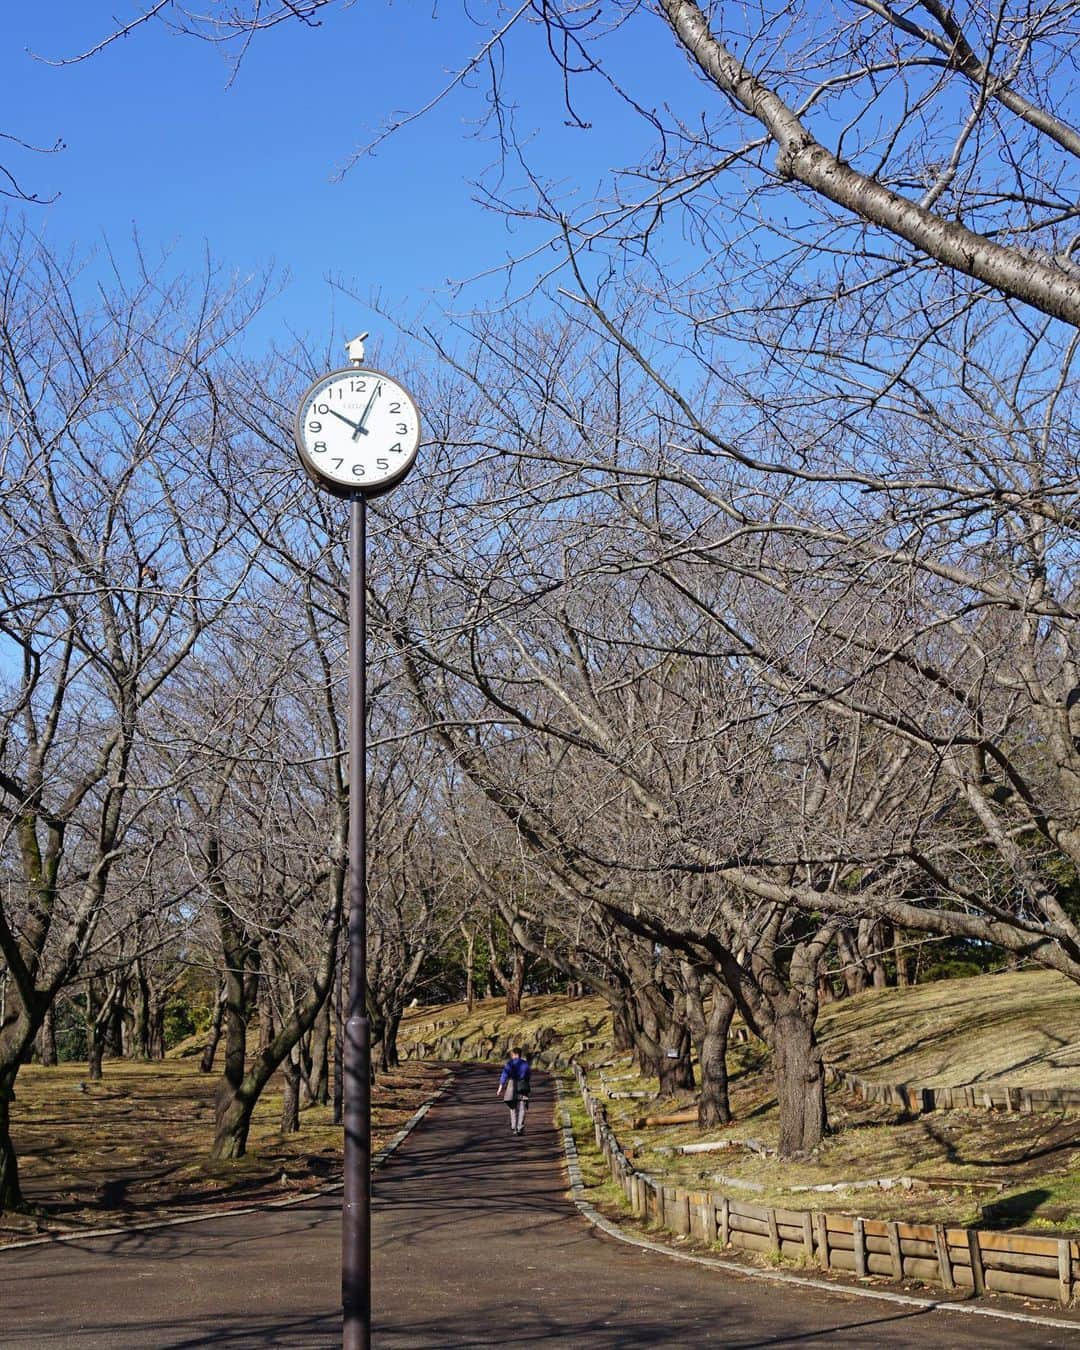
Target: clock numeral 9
[315,427]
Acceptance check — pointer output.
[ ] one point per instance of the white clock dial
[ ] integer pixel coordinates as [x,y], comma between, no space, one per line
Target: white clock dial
[357,430]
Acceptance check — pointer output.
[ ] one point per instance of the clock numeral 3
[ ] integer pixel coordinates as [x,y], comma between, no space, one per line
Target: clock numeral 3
[402,429]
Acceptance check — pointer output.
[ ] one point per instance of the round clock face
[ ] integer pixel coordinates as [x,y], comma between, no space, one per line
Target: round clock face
[357,431]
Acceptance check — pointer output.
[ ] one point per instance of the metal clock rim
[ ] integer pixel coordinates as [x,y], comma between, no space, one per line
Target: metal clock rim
[351,491]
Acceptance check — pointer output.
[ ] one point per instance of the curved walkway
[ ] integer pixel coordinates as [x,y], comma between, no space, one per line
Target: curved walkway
[476,1244]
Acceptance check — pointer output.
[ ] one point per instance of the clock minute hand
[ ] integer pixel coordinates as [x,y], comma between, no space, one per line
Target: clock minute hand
[361,426]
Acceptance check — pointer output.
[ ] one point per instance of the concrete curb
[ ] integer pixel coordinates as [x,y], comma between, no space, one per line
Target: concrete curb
[376,1162]
[594,1217]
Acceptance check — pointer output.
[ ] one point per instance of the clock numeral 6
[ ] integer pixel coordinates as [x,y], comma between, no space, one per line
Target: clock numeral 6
[358,470]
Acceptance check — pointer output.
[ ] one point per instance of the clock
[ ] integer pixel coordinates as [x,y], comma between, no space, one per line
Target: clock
[357,431]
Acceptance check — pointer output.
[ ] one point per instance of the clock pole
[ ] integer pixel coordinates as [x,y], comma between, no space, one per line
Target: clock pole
[356,1208]
[372,456]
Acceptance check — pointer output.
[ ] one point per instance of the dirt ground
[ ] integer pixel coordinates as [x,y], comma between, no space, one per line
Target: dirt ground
[133,1146]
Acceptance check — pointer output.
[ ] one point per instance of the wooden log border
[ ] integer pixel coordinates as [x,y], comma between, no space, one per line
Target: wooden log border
[916,1098]
[956,1258]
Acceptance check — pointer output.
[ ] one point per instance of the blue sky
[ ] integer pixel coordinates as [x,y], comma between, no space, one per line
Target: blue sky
[159,141]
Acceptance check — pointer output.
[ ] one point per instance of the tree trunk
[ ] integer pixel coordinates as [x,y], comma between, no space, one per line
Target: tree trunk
[714,1107]
[851,969]
[388,1050]
[93,1033]
[339,1045]
[209,1054]
[140,1032]
[10,1190]
[157,1028]
[622,1031]
[47,1039]
[800,1082]
[290,1102]
[317,1085]
[470,963]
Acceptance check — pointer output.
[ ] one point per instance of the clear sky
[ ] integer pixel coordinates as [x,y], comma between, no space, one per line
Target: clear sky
[159,140]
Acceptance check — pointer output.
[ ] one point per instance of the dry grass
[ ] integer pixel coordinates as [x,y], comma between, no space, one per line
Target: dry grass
[1019,1028]
[133,1146]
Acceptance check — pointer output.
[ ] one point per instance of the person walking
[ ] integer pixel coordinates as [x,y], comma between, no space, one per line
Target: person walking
[514,1085]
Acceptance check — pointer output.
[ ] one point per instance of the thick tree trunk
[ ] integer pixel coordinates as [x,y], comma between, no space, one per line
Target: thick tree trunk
[290,1102]
[157,1029]
[388,1050]
[46,1040]
[622,1031]
[232,1114]
[800,1082]
[10,1190]
[213,1036]
[317,1085]
[140,1031]
[714,1108]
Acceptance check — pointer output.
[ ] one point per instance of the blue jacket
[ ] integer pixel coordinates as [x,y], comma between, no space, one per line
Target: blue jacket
[519,1070]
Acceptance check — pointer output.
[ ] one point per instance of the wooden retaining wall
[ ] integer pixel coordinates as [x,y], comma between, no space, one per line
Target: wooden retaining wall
[990,1096]
[955,1258]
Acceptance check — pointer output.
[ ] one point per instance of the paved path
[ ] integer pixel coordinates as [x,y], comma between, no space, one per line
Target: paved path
[475,1245]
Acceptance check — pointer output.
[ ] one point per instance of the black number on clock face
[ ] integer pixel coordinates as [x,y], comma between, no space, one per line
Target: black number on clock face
[358,470]
[314,427]
[382,463]
[357,386]
[402,429]
[318,447]
[338,463]
[398,446]
[395,408]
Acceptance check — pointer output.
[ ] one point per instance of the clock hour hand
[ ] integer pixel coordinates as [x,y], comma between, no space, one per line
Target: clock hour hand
[361,427]
[342,418]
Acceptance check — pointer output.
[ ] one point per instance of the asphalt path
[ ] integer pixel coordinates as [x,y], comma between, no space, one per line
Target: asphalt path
[475,1244]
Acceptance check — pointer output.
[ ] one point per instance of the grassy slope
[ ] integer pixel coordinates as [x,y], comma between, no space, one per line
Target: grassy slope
[1019,1028]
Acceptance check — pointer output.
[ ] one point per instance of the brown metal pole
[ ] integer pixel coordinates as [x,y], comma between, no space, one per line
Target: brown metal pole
[356,1209]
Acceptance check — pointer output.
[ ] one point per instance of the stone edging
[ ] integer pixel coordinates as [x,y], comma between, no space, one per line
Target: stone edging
[376,1162]
[957,1258]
